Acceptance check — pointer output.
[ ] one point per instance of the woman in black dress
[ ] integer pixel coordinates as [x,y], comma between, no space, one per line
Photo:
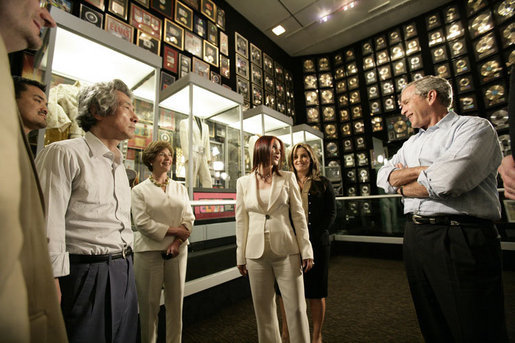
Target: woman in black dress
[320,207]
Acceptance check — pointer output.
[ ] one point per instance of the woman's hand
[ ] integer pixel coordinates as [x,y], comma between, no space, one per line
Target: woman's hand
[243,269]
[307,264]
[173,249]
[179,231]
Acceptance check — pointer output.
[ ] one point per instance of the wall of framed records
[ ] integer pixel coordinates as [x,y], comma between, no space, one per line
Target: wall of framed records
[352,94]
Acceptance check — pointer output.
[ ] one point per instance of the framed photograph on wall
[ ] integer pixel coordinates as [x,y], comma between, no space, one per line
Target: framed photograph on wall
[211,54]
[193,44]
[225,67]
[170,59]
[200,67]
[119,7]
[242,66]
[119,28]
[97,3]
[212,33]
[90,15]
[241,45]
[166,80]
[224,43]
[208,8]
[144,21]
[255,55]
[199,26]
[220,18]
[163,6]
[184,15]
[185,65]
[148,42]
[174,34]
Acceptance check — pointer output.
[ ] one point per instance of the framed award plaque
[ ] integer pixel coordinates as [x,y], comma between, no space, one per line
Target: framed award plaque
[323,64]
[146,22]
[311,97]
[464,84]
[398,128]
[410,30]
[344,115]
[433,21]
[313,115]
[363,175]
[268,65]
[208,8]
[327,96]
[310,81]
[360,143]
[415,62]
[370,76]
[377,124]
[243,87]
[451,14]
[373,92]
[474,6]
[256,75]
[325,80]
[362,159]
[211,55]
[458,47]
[279,92]
[364,190]
[349,55]
[215,77]
[439,54]
[350,174]
[174,34]
[417,75]
[375,107]
[400,83]
[352,68]
[343,100]
[480,24]
[330,131]
[120,8]
[166,80]
[162,6]
[328,113]
[356,112]
[461,65]
[389,103]
[339,73]
[170,59]
[200,26]
[399,67]
[193,44]
[499,119]
[279,72]
[349,162]
[224,44]
[202,68]
[368,62]
[341,86]
[242,66]
[503,11]
[358,127]
[347,145]
[467,102]
[366,48]
[508,35]
[387,87]
[354,97]
[98,4]
[436,37]
[380,42]
[385,72]
[485,46]
[331,149]
[490,70]
[346,129]
[184,65]
[412,46]
[220,18]
[90,15]
[338,59]
[394,36]
[309,66]
[269,84]
[255,55]
[148,42]
[119,28]
[382,57]
[353,82]
[443,70]
[454,30]
[225,66]
[241,45]
[396,52]
[212,33]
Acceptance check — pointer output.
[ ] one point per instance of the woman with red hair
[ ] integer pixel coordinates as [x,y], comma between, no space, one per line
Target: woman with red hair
[269,248]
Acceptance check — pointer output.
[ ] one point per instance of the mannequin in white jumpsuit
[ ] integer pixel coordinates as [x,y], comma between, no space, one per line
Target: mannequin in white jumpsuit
[201,152]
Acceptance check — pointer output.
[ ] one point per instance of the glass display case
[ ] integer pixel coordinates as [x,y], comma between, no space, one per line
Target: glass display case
[77,54]
[260,121]
[206,133]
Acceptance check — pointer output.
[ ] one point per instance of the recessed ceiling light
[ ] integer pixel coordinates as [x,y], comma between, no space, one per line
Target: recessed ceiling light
[278,30]
[324,18]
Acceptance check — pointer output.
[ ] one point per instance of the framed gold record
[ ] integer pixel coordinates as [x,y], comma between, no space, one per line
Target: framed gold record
[399,67]
[347,145]
[394,36]
[373,92]
[443,70]
[270,100]
[366,48]
[344,115]
[382,57]
[508,35]
[454,30]
[458,47]
[257,95]
[467,102]
[339,73]
[490,70]
[412,46]
[385,72]
[325,80]
[331,149]
[433,20]
[351,68]
[473,6]
[389,103]
[415,62]
[353,82]
[375,107]
[313,115]
[348,161]
[499,119]
[308,66]
[464,84]
[341,86]
[461,65]
[504,10]
[350,175]
[310,81]
[370,76]
[410,30]
[328,113]
[396,52]
[398,128]
[338,59]
[451,13]
[417,75]
[368,62]
[343,100]
[330,131]
[400,83]
[481,24]
[439,54]
[362,159]
[360,142]
[356,112]
[494,95]
[364,190]
[380,42]
[377,124]
[387,87]
[354,97]
[270,84]
[326,96]
[436,37]
[311,97]
[363,175]
[358,127]
[323,64]
[349,55]
[485,46]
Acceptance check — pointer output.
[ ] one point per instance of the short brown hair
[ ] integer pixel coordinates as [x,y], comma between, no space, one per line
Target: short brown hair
[314,166]
[151,151]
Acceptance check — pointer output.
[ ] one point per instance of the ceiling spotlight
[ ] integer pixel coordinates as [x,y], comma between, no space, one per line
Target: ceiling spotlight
[324,19]
[278,30]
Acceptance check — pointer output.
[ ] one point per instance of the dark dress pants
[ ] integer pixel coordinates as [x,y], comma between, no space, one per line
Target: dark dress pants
[455,277]
[99,302]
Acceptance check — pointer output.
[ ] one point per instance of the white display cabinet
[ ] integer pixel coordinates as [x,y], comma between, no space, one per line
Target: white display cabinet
[77,52]
[208,133]
[263,120]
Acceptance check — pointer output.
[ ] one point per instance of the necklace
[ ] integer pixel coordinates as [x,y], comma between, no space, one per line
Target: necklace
[264,177]
[151,178]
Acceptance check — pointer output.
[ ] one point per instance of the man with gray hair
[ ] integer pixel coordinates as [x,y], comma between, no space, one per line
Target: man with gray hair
[447,176]
[88,226]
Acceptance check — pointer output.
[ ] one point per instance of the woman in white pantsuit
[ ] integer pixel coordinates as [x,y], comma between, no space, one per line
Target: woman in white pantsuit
[268,247]
[164,219]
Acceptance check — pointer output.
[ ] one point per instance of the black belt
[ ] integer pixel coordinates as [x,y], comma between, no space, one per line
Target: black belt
[453,220]
[100,258]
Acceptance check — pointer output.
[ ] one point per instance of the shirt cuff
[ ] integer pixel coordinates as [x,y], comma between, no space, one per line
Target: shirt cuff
[424,181]
[60,263]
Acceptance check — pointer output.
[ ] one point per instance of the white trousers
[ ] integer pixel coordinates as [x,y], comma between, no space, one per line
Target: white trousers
[287,271]
[201,168]
[153,274]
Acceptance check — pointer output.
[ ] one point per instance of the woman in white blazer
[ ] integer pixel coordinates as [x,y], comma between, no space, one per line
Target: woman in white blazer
[164,219]
[269,248]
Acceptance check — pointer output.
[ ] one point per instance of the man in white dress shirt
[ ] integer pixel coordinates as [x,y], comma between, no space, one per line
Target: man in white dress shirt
[447,175]
[89,227]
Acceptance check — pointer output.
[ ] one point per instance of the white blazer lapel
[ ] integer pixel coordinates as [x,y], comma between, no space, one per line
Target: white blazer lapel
[277,185]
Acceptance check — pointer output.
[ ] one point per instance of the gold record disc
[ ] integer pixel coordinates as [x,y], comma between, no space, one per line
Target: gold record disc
[484,44]
[380,42]
[387,88]
[401,83]
[327,95]
[343,100]
[340,73]
[499,118]
[311,97]
[377,124]
[323,63]
[438,52]
[309,65]
[410,29]
[362,157]
[490,68]
[331,148]
[374,106]
[354,96]
[394,36]
[436,37]
[509,34]
[396,52]
[310,81]
[344,115]
[351,174]
[349,54]
[356,112]
[464,83]
[351,69]
[313,114]
[328,113]
[370,76]
[359,127]
[330,129]
[432,20]
[326,80]
[367,47]
[457,47]
[338,59]
[369,62]
[494,92]
[451,14]
[506,8]
[481,23]
[399,66]
[415,61]
[353,81]
[346,129]
[454,31]
[389,103]
[412,45]
[442,70]
[347,144]
[400,126]
[383,71]
[467,101]
[461,65]
[341,86]
[372,91]
[360,141]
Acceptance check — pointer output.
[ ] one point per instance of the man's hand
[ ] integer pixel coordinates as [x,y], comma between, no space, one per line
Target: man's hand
[507,171]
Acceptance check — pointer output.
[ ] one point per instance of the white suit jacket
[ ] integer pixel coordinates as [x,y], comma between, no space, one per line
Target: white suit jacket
[252,219]
[200,140]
